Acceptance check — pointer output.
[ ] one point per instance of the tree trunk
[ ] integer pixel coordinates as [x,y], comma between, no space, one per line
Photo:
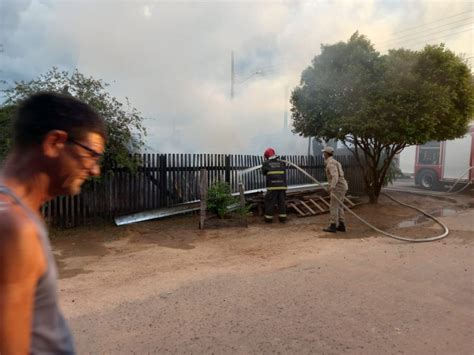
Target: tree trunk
[373,196]
[373,183]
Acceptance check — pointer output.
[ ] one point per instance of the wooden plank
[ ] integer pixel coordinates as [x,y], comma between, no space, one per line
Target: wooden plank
[84,209]
[243,216]
[73,211]
[222,170]
[182,180]
[80,207]
[209,168]
[349,202]
[324,201]
[297,209]
[173,181]
[110,199]
[196,175]
[149,182]
[67,211]
[316,205]
[248,163]
[186,178]
[155,160]
[309,208]
[253,162]
[164,181]
[145,187]
[60,210]
[237,169]
[157,192]
[142,190]
[203,203]
[120,190]
[130,191]
[191,177]
[50,210]
[213,169]
[227,170]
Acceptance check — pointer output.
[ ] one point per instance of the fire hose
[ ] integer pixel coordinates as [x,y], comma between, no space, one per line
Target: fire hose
[390,235]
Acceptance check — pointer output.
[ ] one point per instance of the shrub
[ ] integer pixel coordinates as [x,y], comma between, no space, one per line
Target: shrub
[219,198]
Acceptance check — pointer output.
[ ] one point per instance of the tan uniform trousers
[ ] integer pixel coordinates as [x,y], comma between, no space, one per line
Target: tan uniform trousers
[335,208]
[336,179]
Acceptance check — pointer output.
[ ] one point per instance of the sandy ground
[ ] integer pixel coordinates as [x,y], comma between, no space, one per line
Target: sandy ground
[167,287]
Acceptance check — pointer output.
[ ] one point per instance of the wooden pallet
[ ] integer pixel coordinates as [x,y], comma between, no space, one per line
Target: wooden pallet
[311,206]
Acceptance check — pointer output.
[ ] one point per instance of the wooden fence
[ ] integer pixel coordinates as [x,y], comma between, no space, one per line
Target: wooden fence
[164,180]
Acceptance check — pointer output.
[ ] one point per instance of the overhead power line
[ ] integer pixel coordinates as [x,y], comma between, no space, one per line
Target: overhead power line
[397,39]
[429,23]
[428,35]
[434,38]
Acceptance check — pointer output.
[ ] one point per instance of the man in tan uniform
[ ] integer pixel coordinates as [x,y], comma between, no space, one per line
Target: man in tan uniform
[337,190]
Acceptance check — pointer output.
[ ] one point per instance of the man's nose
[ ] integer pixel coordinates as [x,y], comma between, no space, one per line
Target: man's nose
[95,171]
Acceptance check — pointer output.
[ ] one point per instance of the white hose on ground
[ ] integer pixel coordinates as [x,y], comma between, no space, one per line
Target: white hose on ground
[459,179]
[437,193]
[430,239]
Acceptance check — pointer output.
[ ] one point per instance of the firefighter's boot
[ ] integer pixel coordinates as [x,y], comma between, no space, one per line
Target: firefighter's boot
[341,227]
[331,229]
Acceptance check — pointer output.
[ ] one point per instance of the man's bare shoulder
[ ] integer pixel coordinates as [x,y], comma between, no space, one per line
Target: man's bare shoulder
[19,243]
[13,220]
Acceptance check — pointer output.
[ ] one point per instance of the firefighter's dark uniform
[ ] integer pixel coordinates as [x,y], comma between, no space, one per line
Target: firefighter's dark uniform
[275,172]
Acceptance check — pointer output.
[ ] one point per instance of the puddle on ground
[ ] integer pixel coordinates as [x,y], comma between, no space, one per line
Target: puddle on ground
[444,212]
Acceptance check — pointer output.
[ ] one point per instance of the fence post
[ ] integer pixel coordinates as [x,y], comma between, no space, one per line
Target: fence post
[163,189]
[243,216]
[227,169]
[203,193]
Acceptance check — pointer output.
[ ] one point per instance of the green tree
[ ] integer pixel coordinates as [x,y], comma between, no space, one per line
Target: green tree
[379,104]
[6,114]
[124,122]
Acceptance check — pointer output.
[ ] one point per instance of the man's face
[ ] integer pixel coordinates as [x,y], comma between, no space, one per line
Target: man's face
[81,160]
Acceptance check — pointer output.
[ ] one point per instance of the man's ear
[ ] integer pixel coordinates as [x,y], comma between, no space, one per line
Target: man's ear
[53,143]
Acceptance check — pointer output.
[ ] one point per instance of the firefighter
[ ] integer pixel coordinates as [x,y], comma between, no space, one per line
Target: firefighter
[337,190]
[275,172]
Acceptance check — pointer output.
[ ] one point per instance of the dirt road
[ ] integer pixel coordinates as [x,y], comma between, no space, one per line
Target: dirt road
[166,287]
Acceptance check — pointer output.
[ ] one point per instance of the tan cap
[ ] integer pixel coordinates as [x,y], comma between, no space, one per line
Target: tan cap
[328,149]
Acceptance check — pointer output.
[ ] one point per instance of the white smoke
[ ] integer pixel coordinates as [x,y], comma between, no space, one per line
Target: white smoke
[172,59]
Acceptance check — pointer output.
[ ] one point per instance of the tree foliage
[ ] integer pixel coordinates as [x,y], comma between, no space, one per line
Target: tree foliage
[124,122]
[379,104]
[6,112]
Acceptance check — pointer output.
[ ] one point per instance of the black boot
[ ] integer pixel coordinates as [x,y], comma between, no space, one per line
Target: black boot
[341,227]
[331,229]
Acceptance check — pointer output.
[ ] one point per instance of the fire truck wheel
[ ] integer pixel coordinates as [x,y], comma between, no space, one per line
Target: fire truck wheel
[428,180]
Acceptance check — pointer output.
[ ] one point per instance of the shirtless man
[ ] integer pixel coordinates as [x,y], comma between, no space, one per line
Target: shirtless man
[57,144]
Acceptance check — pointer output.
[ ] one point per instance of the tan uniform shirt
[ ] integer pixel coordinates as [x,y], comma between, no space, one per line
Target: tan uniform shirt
[335,175]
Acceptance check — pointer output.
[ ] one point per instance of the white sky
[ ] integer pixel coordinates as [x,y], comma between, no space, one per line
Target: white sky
[172,58]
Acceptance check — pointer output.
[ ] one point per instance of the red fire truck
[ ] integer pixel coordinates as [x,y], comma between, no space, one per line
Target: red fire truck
[440,163]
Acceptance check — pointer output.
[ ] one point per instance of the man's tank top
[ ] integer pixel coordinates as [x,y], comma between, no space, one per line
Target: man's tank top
[50,333]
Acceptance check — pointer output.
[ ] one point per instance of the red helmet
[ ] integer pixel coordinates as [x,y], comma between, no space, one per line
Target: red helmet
[269,152]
